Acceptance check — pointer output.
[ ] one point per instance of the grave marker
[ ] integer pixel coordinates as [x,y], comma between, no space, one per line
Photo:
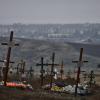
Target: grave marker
[10,44]
[79,64]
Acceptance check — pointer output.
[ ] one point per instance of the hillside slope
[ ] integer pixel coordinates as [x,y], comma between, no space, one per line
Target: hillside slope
[32,50]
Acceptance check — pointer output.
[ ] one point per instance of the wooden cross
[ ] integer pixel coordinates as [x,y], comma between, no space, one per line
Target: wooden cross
[62,70]
[10,45]
[79,64]
[91,76]
[42,71]
[52,69]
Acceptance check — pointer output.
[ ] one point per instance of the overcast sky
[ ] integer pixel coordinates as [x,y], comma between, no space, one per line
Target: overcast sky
[49,11]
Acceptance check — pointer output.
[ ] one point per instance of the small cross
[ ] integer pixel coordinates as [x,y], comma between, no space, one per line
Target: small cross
[10,45]
[79,64]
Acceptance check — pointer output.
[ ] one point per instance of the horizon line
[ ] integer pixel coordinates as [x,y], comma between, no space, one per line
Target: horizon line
[49,23]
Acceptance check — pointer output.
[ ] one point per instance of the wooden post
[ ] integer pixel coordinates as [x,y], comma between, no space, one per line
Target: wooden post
[79,64]
[10,45]
[52,69]
[42,71]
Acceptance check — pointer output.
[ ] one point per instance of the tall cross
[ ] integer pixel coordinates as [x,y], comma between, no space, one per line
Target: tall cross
[62,70]
[10,45]
[79,64]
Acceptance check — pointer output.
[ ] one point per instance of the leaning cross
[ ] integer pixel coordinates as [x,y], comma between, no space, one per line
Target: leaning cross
[10,45]
[79,64]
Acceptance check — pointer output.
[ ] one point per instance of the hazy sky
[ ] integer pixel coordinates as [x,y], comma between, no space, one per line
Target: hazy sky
[49,11]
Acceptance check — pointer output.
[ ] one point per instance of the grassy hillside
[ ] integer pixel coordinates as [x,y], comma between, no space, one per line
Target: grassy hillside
[32,50]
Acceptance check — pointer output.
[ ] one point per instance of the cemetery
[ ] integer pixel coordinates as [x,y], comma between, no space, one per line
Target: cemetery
[47,82]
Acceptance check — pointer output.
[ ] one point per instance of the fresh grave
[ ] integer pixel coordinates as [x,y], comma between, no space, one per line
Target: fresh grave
[83,89]
[19,85]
